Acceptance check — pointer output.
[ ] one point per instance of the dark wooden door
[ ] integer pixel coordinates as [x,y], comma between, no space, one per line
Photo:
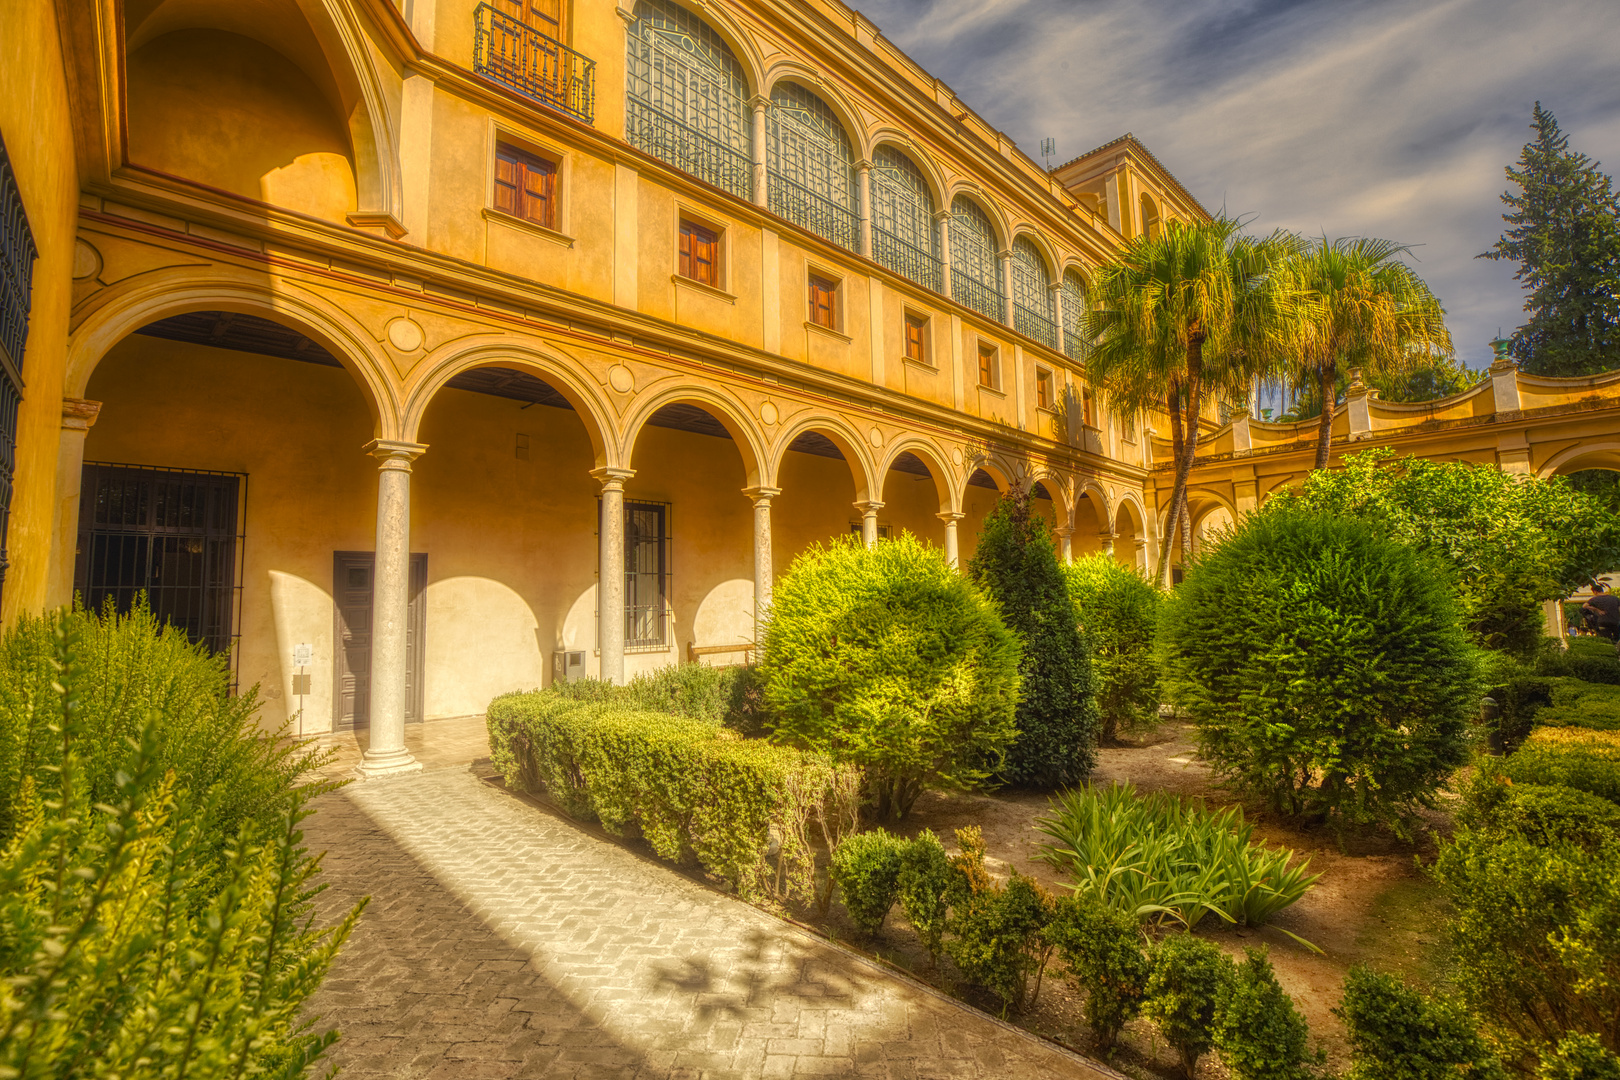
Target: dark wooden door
[352,589]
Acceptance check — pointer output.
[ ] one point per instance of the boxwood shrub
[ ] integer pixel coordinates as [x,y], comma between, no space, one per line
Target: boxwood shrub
[1572,757]
[696,791]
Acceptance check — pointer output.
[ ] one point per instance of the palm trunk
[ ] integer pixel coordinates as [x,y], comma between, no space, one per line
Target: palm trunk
[1186,531]
[1172,406]
[1189,438]
[1324,426]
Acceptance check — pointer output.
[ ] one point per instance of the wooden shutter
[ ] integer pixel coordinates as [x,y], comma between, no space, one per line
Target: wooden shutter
[987,366]
[1043,390]
[525,186]
[539,186]
[508,175]
[823,295]
[699,251]
[914,339]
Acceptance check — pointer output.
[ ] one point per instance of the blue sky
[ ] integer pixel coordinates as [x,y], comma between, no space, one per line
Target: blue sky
[1349,117]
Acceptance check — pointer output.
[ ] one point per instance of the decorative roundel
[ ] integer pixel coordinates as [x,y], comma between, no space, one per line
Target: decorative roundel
[956,455]
[621,379]
[768,413]
[404,335]
[875,437]
[86,261]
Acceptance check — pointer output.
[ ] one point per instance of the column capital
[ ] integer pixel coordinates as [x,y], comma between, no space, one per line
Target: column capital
[759,102]
[950,517]
[760,494]
[869,506]
[1063,531]
[612,477]
[942,215]
[1107,537]
[863,165]
[79,414]
[395,454]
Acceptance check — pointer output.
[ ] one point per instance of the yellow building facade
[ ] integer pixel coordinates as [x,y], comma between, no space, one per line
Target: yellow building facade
[361,336]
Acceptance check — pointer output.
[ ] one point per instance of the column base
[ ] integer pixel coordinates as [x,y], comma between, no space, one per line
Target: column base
[389,763]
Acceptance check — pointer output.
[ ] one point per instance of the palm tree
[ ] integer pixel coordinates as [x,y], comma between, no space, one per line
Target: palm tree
[1179,317]
[1354,303]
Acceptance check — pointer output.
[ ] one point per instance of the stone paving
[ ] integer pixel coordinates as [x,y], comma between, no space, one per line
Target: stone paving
[504,941]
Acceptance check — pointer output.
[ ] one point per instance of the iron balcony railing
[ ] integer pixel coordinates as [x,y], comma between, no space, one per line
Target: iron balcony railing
[687,148]
[1035,325]
[906,259]
[815,212]
[520,57]
[971,292]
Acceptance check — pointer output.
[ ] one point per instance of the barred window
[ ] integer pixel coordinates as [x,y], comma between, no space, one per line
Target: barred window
[812,168]
[905,237]
[974,279]
[17,254]
[646,575]
[1074,312]
[1032,294]
[686,101]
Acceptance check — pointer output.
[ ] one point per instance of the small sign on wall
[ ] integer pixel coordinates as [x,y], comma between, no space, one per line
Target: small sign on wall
[303,655]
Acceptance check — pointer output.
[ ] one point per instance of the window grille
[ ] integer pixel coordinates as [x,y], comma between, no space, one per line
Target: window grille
[172,534]
[1074,309]
[812,181]
[975,282]
[1032,294]
[646,575]
[17,253]
[905,237]
[686,101]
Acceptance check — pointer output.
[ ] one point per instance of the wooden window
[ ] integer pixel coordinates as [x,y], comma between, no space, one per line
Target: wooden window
[545,16]
[987,366]
[916,346]
[824,302]
[700,254]
[525,186]
[1043,389]
[1086,415]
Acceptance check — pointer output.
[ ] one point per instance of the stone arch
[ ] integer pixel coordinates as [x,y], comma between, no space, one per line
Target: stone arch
[1004,473]
[1099,497]
[1059,487]
[991,209]
[949,497]
[1043,247]
[126,307]
[1152,217]
[830,94]
[729,30]
[868,482]
[730,413]
[1604,455]
[324,40]
[557,370]
[918,156]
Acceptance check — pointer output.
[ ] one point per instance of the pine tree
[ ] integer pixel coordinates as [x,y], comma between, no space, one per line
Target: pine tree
[1565,235]
[1057,714]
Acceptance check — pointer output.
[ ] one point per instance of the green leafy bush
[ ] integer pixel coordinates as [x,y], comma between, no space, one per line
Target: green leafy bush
[1568,757]
[1543,814]
[997,932]
[1185,978]
[889,658]
[1535,935]
[153,916]
[1580,1057]
[1057,717]
[1102,950]
[1397,1033]
[1159,855]
[1512,542]
[1575,702]
[1258,1032]
[924,882]
[693,789]
[719,695]
[1118,610]
[1324,666]
[866,867]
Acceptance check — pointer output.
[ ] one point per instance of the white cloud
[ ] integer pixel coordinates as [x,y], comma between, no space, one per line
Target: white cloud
[1349,117]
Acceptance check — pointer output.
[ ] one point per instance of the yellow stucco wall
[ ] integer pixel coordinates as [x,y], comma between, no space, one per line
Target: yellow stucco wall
[38,133]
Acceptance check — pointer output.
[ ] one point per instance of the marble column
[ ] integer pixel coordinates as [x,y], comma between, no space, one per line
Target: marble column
[610,576]
[1065,535]
[78,415]
[869,521]
[761,178]
[943,219]
[1007,294]
[950,518]
[1107,539]
[761,498]
[390,611]
[863,178]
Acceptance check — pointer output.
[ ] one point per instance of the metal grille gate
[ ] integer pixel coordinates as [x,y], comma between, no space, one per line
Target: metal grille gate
[170,534]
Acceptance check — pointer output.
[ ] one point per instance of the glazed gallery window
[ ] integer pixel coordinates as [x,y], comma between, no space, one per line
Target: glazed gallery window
[917,339]
[699,250]
[525,186]
[824,302]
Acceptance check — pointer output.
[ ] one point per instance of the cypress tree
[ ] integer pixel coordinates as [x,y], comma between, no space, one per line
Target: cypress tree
[1565,235]
[1017,565]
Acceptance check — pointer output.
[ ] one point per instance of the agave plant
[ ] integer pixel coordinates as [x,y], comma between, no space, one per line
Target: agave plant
[1159,857]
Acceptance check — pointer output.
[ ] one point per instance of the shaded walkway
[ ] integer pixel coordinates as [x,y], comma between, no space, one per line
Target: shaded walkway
[504,942]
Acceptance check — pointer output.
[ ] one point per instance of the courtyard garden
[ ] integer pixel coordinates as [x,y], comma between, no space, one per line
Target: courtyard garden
[1266,825]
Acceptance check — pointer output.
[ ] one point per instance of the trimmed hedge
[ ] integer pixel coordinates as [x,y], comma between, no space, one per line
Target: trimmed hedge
[1572,757]
[697,792]
[1592,659]
[1544,814]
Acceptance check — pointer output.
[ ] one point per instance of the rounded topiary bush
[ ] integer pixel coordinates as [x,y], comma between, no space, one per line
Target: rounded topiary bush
[888,657]
[1325,666]
[1118,610]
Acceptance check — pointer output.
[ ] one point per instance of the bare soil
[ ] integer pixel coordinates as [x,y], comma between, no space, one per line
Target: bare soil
[1372,904]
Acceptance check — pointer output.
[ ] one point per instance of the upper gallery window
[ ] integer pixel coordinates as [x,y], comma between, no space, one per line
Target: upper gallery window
[975,276]
[525,186]
[1032,294]
[1074,313]
[905,237]
[812,168]
[686,101]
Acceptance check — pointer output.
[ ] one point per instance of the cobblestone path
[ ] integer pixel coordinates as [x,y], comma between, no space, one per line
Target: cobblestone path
[504,942]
